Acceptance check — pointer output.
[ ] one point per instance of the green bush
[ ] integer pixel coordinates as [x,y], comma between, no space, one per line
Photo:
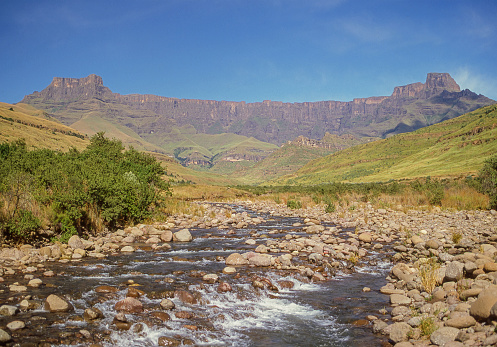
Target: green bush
[102,186]
[294,204]
[488,180]
[22,225]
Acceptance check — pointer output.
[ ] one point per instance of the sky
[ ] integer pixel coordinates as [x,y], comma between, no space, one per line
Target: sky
[248,50]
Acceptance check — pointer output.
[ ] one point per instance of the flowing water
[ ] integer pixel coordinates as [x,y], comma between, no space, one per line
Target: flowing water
[327,313]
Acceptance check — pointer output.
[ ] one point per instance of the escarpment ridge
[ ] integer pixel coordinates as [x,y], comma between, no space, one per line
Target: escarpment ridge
[408,108]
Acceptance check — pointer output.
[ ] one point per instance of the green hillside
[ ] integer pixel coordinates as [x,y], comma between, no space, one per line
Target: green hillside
[452,148]
[37,129]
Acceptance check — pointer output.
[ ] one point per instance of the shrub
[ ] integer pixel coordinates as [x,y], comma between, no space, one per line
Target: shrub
[104,185]
[294,204]
[488,180]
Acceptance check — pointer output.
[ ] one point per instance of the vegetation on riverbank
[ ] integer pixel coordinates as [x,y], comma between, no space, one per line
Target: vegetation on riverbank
[75,192]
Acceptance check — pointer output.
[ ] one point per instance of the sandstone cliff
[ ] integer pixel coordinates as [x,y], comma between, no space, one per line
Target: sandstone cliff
[408,108]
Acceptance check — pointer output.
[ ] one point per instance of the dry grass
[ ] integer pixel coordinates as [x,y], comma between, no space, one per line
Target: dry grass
[428,274]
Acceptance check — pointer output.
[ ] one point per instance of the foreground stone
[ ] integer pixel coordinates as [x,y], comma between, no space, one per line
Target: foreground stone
[55,303]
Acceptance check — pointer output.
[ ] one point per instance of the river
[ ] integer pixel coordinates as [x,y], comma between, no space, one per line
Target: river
[304,313]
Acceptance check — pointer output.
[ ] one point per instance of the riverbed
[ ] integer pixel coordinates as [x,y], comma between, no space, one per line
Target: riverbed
[289,310]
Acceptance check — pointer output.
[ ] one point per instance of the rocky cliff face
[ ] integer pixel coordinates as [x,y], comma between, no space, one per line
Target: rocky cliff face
[409,107]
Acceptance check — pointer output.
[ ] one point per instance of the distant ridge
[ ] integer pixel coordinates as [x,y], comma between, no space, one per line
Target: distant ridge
[153,117]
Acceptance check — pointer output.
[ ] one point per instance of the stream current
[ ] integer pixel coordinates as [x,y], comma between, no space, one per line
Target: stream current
[327,313]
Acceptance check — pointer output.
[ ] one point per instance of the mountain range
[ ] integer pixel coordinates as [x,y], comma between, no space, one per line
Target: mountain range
[231,137]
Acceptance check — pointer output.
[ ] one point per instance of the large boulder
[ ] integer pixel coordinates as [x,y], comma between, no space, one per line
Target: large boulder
[76,242]
[55,303]
[260,260]
[400,332]
[166,236]
[182,236]
[480,308]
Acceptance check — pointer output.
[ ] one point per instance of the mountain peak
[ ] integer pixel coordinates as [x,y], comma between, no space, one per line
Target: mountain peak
[435,84]
[441,81]
[69,89]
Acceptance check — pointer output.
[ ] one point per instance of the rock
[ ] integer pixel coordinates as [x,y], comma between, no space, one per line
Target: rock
[153,239]
[468,293]
[184,315]
[25,305]
[461,322]
[490,267]
[185,297]
[168,341]
[163,316]
[129,239]
[106,289]
[210,278]
[4,336]
[399,299]
[134,293]
[236,259]
[365,237]
[17,288]
[54,303]
[490,341]
[260,260]
[129,305]
[76,242]
[400,332]
[480,309]
[432,243]
[229,270]
[127,249]
[250,242]
[443,335]
[8,310]
[182,236]
[35,282]
[454,271]
[379,326]
[415,239]
[166,236]
[261,249]
[167,304]
[314,229]
[224,287]
[93,313]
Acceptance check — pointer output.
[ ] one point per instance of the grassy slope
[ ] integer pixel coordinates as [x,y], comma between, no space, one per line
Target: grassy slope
[92,123]
[289,158]
[453,147]
[36,129]
[40,131]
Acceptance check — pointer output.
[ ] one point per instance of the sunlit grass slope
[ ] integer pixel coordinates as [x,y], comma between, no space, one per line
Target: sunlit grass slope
[452,148]
[22,121]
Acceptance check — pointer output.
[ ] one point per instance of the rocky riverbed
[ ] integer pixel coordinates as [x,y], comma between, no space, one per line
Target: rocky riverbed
[453,307]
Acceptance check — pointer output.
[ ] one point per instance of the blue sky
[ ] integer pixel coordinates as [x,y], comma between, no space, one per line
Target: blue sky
[251,50]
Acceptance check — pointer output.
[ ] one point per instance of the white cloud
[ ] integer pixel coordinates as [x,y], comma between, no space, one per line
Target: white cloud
[468,79]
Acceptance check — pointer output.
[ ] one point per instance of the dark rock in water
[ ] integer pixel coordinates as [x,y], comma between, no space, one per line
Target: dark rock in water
[167,304]
[106,289]
[185,297]
[168,341]
[92,314]
[224,287]
[184,315]
[129,305]
[163,316]
[134,293]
